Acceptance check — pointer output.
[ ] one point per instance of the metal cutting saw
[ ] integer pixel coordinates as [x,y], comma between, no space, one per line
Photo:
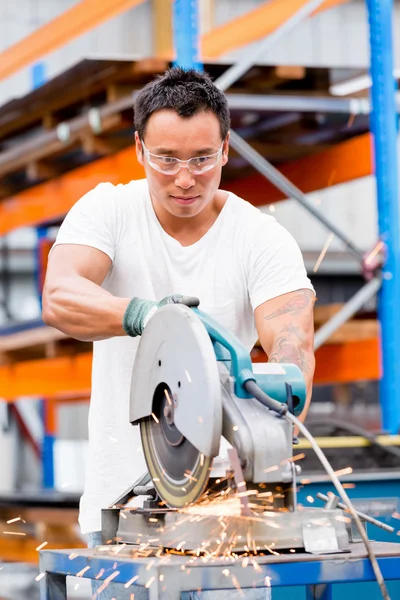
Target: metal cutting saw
[193,385]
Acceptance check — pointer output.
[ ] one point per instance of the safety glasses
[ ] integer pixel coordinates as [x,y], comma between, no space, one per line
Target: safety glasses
[169,165]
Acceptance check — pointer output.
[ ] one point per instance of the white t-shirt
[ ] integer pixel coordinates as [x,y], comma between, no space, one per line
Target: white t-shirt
[244,259]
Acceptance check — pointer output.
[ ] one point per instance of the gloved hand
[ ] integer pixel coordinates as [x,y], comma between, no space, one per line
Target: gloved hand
[138,311]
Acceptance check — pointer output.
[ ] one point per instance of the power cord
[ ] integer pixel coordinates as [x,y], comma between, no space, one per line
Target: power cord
[283,411]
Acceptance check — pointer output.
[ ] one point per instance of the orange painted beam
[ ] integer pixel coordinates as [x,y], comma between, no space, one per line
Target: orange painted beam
[72,23]
[47,377]
[254,25]
[345,363]
[312,173]
[353,361]
[53,199]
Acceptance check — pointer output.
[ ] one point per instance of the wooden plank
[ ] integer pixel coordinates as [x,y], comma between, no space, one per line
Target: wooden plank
[355,331]
[161,15]
[72,23]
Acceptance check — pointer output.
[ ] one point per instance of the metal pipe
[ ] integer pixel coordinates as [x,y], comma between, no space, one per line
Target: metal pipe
[349,309]
[288,188]
[385,132]
[364,516]
[186,34]
[286,102]
[250,57]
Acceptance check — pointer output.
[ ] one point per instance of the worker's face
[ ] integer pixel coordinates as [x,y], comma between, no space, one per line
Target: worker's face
[167,134]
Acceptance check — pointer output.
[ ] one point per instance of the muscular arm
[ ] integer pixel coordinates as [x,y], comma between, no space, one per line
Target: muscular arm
[73,300]
[285,326]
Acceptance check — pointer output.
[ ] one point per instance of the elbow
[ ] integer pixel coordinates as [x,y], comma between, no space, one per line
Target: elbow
[49,312]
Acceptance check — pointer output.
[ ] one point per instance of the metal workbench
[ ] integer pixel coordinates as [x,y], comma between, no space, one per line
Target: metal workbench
[166,577]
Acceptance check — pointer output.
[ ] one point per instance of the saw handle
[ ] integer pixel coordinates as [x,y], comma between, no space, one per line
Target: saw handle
[241,367]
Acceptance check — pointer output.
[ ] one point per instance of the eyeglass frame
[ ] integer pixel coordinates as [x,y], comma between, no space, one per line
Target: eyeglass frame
[180,162]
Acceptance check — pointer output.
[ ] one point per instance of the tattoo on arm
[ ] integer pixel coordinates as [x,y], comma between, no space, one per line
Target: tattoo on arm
[295,304]
[287,348]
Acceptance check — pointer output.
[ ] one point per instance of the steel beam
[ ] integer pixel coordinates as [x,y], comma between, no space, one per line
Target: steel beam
[290,190]
[304,104]
[251,56]
[349,309]
[385,146]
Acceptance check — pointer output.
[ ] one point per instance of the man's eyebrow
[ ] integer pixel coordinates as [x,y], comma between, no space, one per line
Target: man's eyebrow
[169,152]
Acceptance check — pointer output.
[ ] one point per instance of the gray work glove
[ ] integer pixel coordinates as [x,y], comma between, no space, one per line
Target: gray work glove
[138,311]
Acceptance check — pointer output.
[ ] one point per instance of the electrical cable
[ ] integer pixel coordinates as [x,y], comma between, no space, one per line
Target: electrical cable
[254,389]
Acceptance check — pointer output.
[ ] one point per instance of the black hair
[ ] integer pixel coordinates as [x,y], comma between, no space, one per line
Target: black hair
[187,92]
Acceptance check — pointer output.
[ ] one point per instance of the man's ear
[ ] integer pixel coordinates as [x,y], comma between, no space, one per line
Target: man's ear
[225,149]
[139,149]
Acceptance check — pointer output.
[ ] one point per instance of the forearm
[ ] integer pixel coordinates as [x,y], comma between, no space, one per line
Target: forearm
[83,310]
[301,354]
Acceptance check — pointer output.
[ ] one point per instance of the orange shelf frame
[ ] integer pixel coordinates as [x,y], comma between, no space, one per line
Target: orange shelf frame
[330,167]
[317,172]
[55,378]
[53,199]
[72,23]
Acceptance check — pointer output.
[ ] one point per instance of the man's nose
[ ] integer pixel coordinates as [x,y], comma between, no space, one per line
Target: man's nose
[184,179]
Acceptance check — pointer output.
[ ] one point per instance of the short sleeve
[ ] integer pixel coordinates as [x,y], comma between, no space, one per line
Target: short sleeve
[275,264]
[91,221]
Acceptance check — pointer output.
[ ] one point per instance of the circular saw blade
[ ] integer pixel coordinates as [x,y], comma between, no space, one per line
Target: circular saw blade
[179,471]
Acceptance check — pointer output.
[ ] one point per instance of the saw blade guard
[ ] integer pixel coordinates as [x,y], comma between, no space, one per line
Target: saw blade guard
[175,355]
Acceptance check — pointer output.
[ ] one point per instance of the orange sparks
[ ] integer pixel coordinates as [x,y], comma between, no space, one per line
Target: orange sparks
[346,471]
[200,420]
[72,556]
[267,581]
[237,586]
[270,550]
[161,578]
[348,486]
[13,533]
[201,460]
[153,520]
[323,252]
[99,574]
[150,581]
[296,457]
[128,583]
[235,427]
[41,546]
[396,515]
[82,572]
[155,418]
[39,577]
[168,397]
[225,572]
[310,499]
[15,520]
[379,246]
[107,581]
[245,562]
[188,376]
[270,469]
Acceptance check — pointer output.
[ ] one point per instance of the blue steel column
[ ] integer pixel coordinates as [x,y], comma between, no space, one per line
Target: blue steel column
[385,146]
[186,34]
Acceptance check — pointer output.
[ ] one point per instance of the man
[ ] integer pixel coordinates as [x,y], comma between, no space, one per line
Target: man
[122,250]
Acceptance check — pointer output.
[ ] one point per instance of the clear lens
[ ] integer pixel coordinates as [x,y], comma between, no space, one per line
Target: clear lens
[170,165]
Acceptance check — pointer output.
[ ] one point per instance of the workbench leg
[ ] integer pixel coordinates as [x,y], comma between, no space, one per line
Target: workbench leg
[53,586]
[322,591]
